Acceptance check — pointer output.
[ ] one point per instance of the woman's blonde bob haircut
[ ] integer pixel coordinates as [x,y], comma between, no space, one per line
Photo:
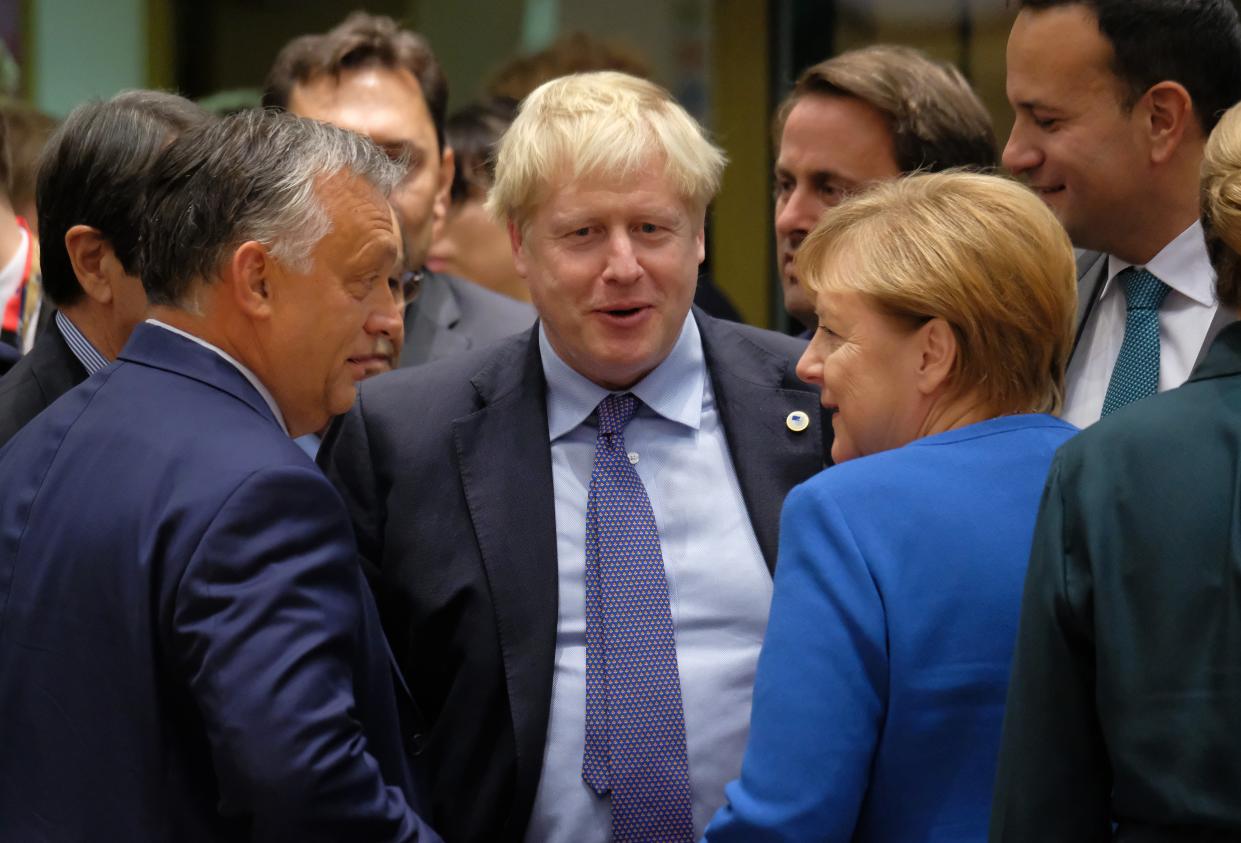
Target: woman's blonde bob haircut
[605,125]
[1221,205]
[980,252]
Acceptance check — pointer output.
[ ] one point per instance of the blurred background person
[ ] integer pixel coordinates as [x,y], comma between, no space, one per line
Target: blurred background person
[372,77]
[17,263]
[29,131]
[91,198]
[859,118]
[471,243]
[1122,715]
[945,306]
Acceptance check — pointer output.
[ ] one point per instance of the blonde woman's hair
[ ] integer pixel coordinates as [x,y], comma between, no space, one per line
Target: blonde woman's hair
[600,125]
[980,252]
[1221,205]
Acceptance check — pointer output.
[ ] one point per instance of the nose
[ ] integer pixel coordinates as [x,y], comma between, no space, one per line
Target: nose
[387,316]
[1020,153]
[622,264]
[797,215]
[810,366]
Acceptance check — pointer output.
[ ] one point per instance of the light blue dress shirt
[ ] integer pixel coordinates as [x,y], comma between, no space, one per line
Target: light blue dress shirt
[718,584]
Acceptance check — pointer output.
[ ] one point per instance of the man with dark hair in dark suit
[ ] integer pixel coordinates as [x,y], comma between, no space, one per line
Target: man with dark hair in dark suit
[371,76]
[472,491]
[89,196]
[1114,100]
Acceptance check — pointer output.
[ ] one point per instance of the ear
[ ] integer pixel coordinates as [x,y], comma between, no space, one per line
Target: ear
[443,192]
[89,254]
[249,277]
[517,240]
[701,241]
[1170,115]
[937,349]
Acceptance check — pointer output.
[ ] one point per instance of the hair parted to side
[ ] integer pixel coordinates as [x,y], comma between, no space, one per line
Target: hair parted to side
[94,172]
[361,40]
[1196,43]
[605,124]
[936,119]
[1221,205]
[981,252]
[251,176]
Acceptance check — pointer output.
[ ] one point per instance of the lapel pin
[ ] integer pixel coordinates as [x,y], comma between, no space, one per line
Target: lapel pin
[797,421]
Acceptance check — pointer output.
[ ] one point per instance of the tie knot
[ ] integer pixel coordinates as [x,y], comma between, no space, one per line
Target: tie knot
[1143,291]
[615,411]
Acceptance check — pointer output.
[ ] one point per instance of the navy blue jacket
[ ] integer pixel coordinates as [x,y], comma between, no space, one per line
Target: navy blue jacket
[188,650]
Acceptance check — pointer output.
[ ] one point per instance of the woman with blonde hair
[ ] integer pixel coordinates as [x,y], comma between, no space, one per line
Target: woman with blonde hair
[945,306]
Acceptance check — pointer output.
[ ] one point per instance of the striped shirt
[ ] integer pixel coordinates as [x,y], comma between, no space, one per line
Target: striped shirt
[87,354]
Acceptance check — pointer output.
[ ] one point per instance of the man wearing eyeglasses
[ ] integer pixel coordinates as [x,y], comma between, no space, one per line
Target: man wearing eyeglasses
[372,77]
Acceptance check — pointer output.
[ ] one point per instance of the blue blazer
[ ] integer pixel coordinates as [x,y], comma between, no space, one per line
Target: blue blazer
[880,689]
[188,650]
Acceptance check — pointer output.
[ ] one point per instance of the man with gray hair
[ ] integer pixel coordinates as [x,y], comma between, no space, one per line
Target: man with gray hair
[584,517]
[188,648]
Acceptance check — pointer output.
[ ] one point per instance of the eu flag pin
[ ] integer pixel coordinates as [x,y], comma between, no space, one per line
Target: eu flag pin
[797,421]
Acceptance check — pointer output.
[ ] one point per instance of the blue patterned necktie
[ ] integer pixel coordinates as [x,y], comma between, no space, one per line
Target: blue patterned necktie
[635,725]
[1137,366]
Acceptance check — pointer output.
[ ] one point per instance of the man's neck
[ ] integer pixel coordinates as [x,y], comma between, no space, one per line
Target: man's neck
[92,322]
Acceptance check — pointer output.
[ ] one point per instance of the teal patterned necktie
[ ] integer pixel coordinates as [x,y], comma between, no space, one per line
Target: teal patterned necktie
[635,725]
[1137,366]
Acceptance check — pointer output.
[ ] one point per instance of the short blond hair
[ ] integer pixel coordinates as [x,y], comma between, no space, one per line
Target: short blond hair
[604,124]
[1221,205]
[981,252]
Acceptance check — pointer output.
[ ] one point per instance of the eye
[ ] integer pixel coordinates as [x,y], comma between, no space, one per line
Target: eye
[783,187]
[648,228]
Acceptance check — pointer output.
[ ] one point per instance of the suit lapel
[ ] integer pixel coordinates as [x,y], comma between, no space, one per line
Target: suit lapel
[1091,273]
[754,395]
[506,473]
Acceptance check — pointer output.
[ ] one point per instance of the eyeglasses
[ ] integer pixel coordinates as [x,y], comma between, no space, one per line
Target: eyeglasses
[405,286]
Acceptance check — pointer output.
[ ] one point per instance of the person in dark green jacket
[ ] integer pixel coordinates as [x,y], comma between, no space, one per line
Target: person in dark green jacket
[1124,713]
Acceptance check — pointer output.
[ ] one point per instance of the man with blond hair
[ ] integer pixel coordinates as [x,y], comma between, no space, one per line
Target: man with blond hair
[574,543]
[860,117]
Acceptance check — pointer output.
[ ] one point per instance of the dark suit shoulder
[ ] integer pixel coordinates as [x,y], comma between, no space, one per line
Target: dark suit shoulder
[487,315]
[442,389]
[46,373]
[755,354]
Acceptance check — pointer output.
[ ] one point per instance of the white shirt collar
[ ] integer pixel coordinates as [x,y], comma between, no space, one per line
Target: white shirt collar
[1182,264]
[245,372]
[673,389]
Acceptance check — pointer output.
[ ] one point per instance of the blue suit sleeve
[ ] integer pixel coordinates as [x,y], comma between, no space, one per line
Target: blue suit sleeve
[821,688]
[268,632]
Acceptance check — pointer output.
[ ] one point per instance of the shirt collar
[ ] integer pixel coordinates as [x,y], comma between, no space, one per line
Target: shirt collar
[1183,265]
[673,389]
[90,358]
[246,373]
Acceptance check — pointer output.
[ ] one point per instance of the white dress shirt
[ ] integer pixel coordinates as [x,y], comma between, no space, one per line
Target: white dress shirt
[1186,319]
[718,584]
